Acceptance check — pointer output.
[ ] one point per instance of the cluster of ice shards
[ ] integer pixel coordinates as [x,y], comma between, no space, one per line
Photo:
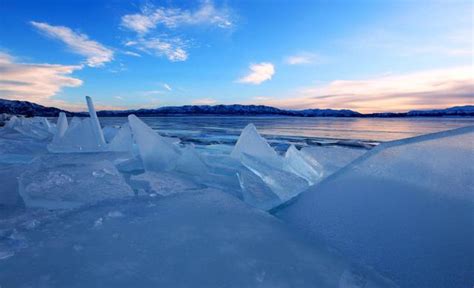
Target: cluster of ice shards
[201,239]
[71,180]
[36,127]
[405,208]
[253,171]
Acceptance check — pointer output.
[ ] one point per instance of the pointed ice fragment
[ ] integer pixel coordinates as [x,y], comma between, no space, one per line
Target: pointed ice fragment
[255,192]
[123,140]
[303,165]
[95,122]
[285,184]
[61,126]
[251,143]
[156,152]
[191,163]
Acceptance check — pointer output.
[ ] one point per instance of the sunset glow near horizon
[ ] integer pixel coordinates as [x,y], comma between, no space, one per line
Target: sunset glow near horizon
[368,56]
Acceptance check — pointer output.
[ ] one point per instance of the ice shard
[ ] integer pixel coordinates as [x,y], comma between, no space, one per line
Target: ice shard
[61,126]
[191,163]
[123,139]
[157,153]
[251,143]
[303,165]
[95,122]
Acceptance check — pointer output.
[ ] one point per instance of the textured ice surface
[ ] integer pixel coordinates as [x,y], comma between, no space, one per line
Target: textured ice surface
[36,127]
[405,208]
[69,181]
[188,240]
[163,183]
[156,152]
[303,165]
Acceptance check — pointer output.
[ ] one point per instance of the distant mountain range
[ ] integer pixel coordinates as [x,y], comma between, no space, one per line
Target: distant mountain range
[31,109]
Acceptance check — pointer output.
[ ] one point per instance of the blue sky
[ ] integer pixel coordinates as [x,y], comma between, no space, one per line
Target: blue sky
[361,55]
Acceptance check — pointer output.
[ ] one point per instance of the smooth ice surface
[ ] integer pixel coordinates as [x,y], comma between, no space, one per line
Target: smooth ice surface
[157,153]
[255,192]
[333,158]
[405,208]
[206,239]
[69,181]
[303,165]
[190,162]
[122,140]
[251,143]
[284,184]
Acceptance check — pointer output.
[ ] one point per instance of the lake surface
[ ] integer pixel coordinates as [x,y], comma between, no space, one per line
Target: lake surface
[297,130]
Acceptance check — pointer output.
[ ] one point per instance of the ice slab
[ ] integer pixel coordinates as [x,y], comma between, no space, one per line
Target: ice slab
[251,143]
[405,208]
[69,181]
[157,153]
[303,165]
[255,192]
[94,120]
[205,239]
[190,162]
[9,174]
[36,127]
[284,184]
[110,132]
[122,140]
[61,126]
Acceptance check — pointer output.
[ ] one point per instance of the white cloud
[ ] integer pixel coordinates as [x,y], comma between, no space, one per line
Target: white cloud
[130,53]
[428,89]
[96,53]
[258,73]
[172,49]
[34,82]
[150,18]
[204,101]
[167,87]
[301,58]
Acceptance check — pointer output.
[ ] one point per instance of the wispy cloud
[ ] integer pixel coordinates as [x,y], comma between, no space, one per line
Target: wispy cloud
[302,58]
[259,73]
[172,49]
[167,87]
[417,90]
[96,53]
[34,82]
[204,101]
[150,18]
[130,53]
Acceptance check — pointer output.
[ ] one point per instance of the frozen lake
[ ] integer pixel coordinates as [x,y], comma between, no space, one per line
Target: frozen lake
[298,130]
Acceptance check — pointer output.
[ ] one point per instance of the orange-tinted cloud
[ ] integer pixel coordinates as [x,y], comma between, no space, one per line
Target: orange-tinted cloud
[418,90]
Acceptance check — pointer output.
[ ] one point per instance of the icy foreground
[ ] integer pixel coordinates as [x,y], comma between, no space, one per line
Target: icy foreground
[201,239]
[405,208]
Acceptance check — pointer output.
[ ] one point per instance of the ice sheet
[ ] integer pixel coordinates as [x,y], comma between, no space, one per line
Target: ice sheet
[206,239]
[69,181]
[405,208]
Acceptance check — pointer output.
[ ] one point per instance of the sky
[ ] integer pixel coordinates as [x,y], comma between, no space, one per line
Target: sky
[368,56]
